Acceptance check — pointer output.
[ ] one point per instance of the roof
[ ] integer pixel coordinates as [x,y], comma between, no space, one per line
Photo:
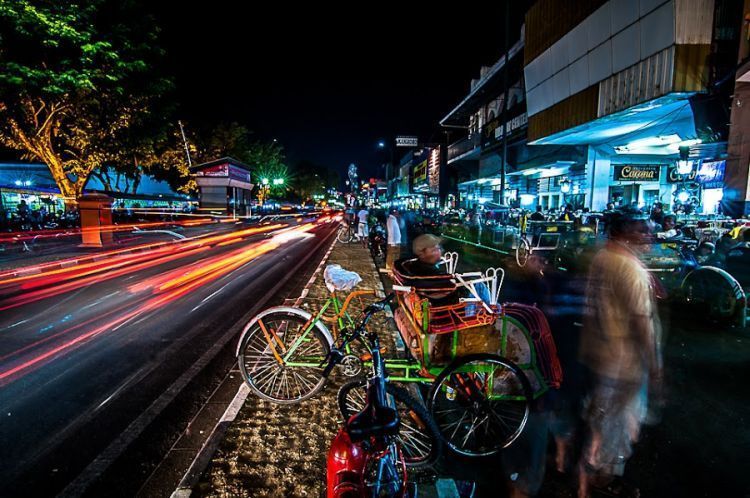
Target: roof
[488,87]
[223,160]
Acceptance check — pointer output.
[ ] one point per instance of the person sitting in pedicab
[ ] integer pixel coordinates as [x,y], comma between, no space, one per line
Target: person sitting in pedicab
[429,277]
[669,228]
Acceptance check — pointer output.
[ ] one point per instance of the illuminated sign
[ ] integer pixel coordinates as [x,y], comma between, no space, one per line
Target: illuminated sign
[403,141]
[420,173]
[637,172]
[433,170]
[218,170]
[240,174]
[673,176]
[711,174]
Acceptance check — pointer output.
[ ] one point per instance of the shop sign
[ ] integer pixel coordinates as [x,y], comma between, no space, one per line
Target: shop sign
[239,174]
[637,172]
[218,170]
[674,177]
[433,170]
[404,141]
[711,174]
[420,174]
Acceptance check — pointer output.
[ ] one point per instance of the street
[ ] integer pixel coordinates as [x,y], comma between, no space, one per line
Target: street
[87,350]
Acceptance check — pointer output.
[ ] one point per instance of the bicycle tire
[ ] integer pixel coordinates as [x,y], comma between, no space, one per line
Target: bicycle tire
[261,364]
[345,235]
[419,437]
[523,252]
[464,377]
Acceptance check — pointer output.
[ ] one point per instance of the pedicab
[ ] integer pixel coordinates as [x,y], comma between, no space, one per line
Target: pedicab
[481,363]
[704,290]
[542,237]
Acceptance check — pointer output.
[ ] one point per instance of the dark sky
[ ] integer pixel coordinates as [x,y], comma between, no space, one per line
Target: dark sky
[328,82]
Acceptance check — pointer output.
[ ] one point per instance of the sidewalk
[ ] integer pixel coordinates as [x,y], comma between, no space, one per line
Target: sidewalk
[278,450]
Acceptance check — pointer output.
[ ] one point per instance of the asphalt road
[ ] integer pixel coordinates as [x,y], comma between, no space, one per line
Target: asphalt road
[87,350]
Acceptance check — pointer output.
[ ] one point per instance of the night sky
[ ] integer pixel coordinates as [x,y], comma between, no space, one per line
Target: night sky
[329,82]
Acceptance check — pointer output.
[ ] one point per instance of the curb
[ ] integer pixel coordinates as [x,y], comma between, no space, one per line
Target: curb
[203,457]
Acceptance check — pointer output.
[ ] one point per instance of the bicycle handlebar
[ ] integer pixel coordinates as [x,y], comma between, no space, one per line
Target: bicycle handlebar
[335,355]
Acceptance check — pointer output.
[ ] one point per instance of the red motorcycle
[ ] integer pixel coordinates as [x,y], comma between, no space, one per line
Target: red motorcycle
[370,454]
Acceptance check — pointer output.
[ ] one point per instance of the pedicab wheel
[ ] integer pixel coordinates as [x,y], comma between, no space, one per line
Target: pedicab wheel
[419,437]
[480,403]
[523,251]
[279,361]
[713,293]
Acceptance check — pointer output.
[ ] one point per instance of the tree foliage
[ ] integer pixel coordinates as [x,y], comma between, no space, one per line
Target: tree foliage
[75,80]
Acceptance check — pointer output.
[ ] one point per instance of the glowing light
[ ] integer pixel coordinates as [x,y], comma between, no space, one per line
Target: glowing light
[527,199]
[684,167]
[683,196]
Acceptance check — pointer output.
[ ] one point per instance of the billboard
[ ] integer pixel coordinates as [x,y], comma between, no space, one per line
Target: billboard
[426,170]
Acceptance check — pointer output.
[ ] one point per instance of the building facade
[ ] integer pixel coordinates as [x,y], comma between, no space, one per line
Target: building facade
[642,87]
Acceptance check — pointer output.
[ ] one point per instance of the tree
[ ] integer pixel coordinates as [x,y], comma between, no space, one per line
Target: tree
[73,80]
[310,180]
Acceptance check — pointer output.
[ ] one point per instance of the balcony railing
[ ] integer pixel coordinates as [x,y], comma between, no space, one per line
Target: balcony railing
[464,145]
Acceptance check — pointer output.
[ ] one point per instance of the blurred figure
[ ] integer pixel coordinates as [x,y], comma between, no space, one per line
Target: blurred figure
[567,214]
[394,239]
[705,254]
[669,228]
[657,213]
[538,215]
[620,349]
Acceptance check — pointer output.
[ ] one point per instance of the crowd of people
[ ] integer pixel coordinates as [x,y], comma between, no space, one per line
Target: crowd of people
[25,218]
[606,321]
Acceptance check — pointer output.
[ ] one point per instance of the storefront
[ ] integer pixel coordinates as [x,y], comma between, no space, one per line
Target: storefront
[635,185]
[225,186]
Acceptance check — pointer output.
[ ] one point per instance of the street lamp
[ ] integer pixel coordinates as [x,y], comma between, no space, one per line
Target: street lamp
[565,186]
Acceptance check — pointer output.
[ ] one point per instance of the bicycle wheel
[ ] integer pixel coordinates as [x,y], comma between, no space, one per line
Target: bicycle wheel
[345,235]
[523,251]
[712,293]
[418,435]
[279,360]
[480,403]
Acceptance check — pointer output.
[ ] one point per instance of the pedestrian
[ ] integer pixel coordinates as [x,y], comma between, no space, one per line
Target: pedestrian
[657,214]
[620,350]
[567,214]
[362,229]
[394,239]
[538,214]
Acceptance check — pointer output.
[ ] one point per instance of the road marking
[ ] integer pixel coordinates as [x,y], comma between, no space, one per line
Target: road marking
[117,447]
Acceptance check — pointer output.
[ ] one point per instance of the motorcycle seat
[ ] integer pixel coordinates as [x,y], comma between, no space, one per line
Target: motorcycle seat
[373,421]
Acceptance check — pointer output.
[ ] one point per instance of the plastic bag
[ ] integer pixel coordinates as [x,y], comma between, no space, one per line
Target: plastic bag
[338,279]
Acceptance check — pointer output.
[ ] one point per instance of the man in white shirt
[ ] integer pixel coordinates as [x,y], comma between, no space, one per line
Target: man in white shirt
[362,231]
[394,239]
[620,346]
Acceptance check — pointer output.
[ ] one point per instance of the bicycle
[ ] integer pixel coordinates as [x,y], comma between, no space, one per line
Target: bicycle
[369,455]
[347,233]
[283,350]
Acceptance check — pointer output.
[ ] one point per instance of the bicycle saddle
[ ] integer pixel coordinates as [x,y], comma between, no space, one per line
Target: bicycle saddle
[373,421]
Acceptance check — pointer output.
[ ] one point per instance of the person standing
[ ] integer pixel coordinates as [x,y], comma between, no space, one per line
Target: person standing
[362,229]
[394,239]
[620,348]
[538,215]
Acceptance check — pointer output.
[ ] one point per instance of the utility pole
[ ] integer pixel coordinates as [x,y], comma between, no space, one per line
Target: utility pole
[184,141]
[504,114]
